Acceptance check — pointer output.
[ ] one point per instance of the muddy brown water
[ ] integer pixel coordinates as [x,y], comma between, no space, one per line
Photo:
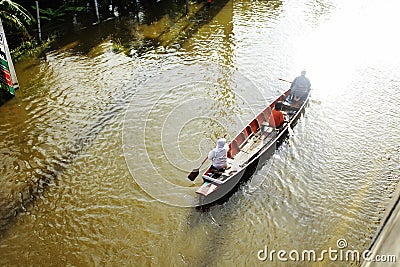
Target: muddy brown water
[95,133]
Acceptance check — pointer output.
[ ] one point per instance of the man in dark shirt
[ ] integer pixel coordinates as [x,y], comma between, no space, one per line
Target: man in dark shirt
[300,87]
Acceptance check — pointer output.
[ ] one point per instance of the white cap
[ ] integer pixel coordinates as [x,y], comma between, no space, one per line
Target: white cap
[221,142]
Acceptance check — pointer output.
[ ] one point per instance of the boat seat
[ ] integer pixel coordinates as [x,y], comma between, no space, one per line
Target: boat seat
[254,126]
[245,141]
[241,138]
[234,148]
[261,119]
[212,180]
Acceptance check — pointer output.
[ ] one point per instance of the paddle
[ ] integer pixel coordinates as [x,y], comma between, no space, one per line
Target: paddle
[284,80]
[195,172]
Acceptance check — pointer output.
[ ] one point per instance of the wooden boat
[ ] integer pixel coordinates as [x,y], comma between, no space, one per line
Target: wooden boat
[249,150]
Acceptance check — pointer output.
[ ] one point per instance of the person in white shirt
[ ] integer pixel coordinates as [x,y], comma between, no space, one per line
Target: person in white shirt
[219,156]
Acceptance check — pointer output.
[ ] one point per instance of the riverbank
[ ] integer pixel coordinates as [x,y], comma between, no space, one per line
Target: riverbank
[32,49]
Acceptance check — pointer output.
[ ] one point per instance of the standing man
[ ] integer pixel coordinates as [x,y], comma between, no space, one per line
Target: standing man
[300,87]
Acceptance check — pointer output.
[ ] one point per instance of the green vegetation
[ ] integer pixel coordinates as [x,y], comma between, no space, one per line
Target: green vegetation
[61,16]
[31,48]
[117,45]
[15,16]
[20,22]
[59,13]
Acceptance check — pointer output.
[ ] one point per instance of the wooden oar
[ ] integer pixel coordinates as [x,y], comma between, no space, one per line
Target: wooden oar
[195,172]
[284,80]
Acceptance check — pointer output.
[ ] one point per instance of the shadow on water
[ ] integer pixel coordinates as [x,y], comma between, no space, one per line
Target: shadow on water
[87,40]
[5,97]
[211,225]
[217,216]
[159,24]
[41,180]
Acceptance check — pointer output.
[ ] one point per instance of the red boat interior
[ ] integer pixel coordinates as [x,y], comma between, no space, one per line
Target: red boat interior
[252,128]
